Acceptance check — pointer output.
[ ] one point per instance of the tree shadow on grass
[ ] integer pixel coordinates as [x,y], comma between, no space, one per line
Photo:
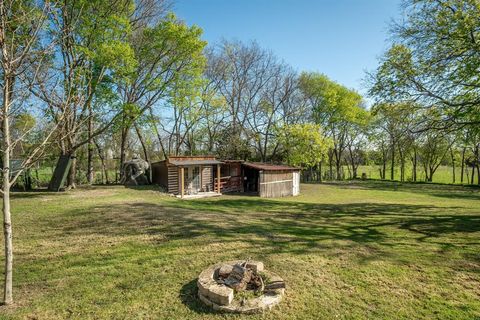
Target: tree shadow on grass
[36,193]
[275,226]
[364,232]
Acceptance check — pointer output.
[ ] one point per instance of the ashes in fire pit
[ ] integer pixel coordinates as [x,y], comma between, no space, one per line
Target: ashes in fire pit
[240,286]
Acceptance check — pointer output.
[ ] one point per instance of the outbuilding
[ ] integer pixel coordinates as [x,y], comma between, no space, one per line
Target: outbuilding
[203,176]
[271,180]
[188,176]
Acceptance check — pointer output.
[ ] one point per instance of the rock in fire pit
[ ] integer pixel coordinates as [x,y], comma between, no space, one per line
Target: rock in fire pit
[240,287]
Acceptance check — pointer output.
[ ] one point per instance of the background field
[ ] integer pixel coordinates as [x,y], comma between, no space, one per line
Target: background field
[347,251]
[444,174]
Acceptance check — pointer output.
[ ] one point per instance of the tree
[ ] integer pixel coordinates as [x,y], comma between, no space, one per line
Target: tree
[169,55]
[434,61]
[335,108]
[182,114]
[395,120]
[258,90]
[22,23]
[304,144]
[92,49]
[433,149]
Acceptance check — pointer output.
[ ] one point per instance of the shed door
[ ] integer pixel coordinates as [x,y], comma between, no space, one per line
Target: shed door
[296,183]
[192,179]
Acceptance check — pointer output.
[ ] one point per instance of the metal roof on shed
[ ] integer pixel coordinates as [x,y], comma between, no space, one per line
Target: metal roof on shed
[193,162]
[269,167]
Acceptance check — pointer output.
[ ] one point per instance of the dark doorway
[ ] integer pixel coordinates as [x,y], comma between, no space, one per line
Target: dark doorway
[251,179]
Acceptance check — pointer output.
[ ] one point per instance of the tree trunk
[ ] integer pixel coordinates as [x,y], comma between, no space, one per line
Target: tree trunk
[104,165]
[473,174]
[320,171]
[384,169]
[72,173]
[392,169]
[432,171]
[90,150]
[123,148]
[415,165]
[7,219]
[7,230]
[338,169]
[452,155]
[338,164]
[142,142]
[330,164]
[463,165]
[478,163]
[384,162]
[478,174]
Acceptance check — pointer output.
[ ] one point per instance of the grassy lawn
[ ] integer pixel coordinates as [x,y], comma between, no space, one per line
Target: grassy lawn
[443,174]
[347,251]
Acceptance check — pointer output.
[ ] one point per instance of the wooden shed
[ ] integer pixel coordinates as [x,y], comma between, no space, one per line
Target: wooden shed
[188,175]
[271,181]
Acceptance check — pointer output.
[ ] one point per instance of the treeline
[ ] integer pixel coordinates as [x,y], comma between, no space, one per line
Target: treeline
[427,91]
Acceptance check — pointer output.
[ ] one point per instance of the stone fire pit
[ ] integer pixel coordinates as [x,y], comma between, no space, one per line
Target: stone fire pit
[240,287]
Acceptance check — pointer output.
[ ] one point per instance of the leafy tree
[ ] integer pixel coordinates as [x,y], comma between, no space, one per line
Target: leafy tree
[92,47]
[231,144]
[396,121]
[434,61]
[170,57]
[433,149]
[258,90]
[304,144]
[335,108]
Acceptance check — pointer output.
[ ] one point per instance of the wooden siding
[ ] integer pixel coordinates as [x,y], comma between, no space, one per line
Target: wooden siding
[275,184]
[231,177]
[207,178]
[159,173]
[173,180]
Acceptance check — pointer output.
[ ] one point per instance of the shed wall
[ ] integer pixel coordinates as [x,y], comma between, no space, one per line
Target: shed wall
[207,178]
[173,179]
[159,174]
[276,184]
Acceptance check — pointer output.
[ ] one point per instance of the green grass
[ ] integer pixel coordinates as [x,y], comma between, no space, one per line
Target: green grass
[347,251]
[444,174]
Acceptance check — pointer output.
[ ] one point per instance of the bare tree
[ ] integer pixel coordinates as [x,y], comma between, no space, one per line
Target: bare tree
[21,26]
[258,90]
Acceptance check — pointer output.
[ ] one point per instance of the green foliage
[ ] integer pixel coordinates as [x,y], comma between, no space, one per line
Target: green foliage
[231,144]
[304,144]
[101,34]
[172,53]
[332,103]
[24,122]
[434,60]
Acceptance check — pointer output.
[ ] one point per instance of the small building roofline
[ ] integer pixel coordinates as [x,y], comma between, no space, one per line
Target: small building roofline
[269,166]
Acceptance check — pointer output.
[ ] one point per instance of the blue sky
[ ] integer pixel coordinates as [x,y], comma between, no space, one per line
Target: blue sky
[341,38]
